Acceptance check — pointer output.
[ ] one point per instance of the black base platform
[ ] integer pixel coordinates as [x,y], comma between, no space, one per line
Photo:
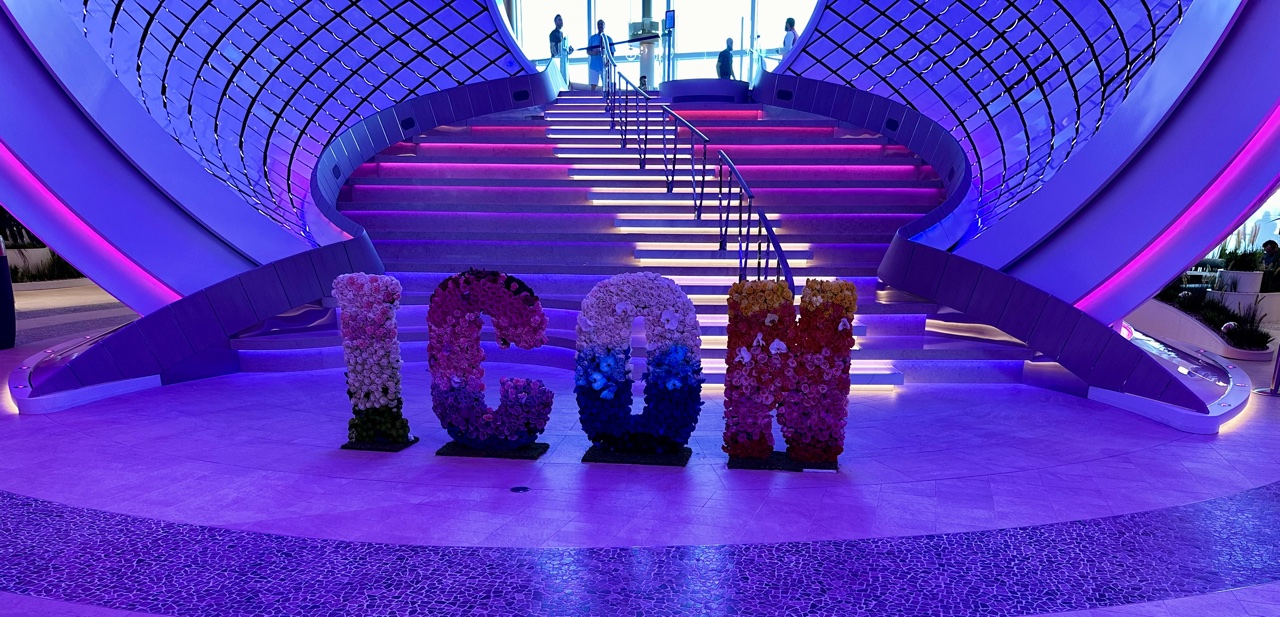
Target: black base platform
[600,454]
[379,447]
[778,461]
[530,452]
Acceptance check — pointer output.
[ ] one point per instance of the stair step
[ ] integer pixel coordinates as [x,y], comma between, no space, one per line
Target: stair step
[654,183]
[713,254]
[522,269]
[675,210]
[610,157]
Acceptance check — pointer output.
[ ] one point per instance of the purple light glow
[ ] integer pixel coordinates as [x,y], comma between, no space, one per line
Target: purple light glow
[152,293]
[1235,173]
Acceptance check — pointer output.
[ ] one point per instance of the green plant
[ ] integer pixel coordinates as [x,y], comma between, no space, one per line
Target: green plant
[1246,334]
[1245,261]
[1169,294]
[56,269]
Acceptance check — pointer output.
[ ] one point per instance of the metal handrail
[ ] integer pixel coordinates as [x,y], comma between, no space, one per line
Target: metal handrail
[754,227]
[697,173]
[621,121]
[768,249]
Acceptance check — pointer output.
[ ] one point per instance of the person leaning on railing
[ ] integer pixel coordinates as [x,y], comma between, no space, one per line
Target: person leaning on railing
[789,39]
[599,56]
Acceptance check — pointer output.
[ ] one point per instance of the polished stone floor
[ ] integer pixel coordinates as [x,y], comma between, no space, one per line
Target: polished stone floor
[961,500]
[258,452]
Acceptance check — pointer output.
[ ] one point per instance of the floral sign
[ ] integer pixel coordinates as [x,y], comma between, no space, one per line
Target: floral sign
[454,356]
[799,369]
[367,304]
[673,378]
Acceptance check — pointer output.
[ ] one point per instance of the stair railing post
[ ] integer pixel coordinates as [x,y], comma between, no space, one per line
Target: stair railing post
[743,239]
[699,177]
[644,149]
[722,220]
[667,164]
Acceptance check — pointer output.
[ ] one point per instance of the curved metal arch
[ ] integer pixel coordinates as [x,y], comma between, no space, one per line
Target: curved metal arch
[1043,68]
[899,94]
[226,103]
[992,69]
[353,71]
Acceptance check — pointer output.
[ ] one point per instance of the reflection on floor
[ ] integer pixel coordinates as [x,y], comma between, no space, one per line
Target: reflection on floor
[928,516]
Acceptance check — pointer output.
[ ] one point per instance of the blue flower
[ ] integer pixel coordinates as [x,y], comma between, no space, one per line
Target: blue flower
[597,381]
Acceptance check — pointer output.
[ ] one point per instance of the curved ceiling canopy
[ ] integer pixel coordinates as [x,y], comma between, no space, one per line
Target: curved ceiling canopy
[254,89]
[1021,85]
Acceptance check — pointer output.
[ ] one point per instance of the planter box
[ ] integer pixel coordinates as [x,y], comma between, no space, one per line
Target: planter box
[1240,282]
[1166,323]
[1268,304]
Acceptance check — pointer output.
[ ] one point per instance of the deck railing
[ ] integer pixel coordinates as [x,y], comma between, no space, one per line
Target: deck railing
[756,239]
[759,252]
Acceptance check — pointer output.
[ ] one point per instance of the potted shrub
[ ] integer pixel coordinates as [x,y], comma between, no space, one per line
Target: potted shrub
[1243,272]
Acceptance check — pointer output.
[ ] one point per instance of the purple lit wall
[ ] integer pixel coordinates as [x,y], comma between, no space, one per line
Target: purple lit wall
[1021,85]
[255,91]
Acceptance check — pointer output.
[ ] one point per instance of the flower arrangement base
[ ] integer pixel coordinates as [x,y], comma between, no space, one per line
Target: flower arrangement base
[602,454]
[778,461]
[371,446]
[529,452]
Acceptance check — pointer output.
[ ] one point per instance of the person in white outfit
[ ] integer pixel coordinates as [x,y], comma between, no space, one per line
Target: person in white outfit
[789,39]
[560,48]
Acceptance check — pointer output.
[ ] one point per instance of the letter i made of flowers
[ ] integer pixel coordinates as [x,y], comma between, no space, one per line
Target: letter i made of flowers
[367,304]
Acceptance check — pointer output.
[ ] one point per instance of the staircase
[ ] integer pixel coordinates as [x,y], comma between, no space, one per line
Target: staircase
[555,199]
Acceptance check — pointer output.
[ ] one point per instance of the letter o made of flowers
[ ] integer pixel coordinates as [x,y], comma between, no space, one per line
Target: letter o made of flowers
[673,379]
[799,369]
[367,305]
[454,356]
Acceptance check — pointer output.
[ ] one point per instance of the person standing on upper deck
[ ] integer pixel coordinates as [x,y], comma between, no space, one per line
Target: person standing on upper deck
[560,49]
[789,39]
[600,57]
[724,62]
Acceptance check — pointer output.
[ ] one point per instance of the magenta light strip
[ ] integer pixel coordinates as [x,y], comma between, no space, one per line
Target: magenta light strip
[1236,172]
[149,293]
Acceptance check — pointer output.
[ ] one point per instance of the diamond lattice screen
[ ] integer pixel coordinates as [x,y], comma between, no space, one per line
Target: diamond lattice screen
[254,89]
[1021,84]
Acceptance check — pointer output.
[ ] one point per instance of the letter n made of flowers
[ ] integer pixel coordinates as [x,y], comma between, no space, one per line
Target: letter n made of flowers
[801,370]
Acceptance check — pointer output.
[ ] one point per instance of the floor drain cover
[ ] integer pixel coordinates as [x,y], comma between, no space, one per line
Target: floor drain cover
[519,489]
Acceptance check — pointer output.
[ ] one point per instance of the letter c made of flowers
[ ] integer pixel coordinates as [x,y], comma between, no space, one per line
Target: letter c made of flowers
[673,378]
[454,356]
[799,369]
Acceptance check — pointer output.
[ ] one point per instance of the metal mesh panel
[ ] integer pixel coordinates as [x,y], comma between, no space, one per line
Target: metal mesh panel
[254,89]
[1021,84]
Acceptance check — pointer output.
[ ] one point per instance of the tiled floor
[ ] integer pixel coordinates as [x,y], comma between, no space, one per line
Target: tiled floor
[117,561]
[258,453]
